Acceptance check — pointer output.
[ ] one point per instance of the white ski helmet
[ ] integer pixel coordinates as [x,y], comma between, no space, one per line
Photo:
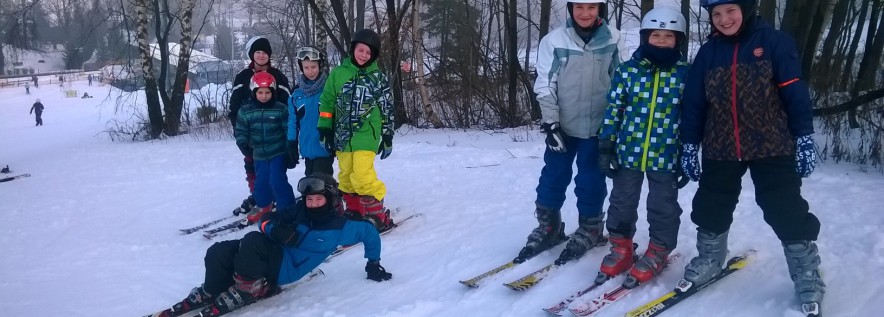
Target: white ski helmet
[664,18]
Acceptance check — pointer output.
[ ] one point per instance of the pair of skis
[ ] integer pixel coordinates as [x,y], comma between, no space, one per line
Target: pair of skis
[12,178]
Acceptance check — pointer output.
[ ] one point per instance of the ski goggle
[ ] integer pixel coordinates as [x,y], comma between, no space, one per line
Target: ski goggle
[308,53]
[310,185]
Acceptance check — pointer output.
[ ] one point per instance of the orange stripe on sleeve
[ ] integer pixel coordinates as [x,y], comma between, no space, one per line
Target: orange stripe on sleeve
[325,114]
[264,224]
[788,82]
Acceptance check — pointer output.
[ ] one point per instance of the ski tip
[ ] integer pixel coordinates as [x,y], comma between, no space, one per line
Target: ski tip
[470,284]
[553,312]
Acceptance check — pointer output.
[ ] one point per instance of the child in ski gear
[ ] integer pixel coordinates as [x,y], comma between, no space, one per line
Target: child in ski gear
[304,111]
[290,244]
[37,110]
[746,105]
[356,123]
[261,133]
[27,88]
[639,138]
[574,67]
[259,51]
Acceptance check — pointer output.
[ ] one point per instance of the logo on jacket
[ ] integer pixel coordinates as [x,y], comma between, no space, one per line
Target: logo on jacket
[758,52]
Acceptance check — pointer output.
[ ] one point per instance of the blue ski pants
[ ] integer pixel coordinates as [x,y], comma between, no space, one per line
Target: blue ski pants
[590,187]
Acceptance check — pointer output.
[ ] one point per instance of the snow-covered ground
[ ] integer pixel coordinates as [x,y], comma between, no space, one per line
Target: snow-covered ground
[94,231]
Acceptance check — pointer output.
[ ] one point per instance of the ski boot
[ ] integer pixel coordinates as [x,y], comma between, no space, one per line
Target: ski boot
[803,260]
[711,258]
[196,299]
[243,292]
[247,205]
[375,213]
[255,215]
[620,259]
[589,235]
[353,208]
[648,266]
[550,231]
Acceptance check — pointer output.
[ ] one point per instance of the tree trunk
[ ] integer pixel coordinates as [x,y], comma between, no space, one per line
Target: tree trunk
[510,29]
[847,74]
[824,66]
[799,15]
[545,8]
[318,29]
[647,5]
[174,107]
[871,61]
[419,64]
[338,8]
[154,112]
[395,25]
[686,12]
[320,7]
[813,39]
[767,9]
[360,14]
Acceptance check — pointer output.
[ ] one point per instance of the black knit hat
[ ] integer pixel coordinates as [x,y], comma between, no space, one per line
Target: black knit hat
[367,37]
[259,44]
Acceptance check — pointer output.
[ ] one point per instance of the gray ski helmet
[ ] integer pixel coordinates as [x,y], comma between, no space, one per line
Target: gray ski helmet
[367,37]
[603,7]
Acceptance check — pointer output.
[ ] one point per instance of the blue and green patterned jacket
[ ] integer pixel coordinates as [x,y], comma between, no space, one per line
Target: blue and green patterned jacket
[643,114]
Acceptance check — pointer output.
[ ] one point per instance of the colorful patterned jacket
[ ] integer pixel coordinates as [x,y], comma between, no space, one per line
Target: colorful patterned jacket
[744,99]
[643,114]
[358,105]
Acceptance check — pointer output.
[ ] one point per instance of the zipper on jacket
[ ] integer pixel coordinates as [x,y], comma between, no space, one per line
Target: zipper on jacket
[647,142]
[734,103]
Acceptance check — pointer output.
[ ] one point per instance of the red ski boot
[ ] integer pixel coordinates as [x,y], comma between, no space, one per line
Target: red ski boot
[376,213]
[620,259]
[650,264]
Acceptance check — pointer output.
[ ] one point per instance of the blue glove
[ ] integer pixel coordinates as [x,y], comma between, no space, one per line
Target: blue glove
[805,155]
[690,161]
[555,138]
[386,146]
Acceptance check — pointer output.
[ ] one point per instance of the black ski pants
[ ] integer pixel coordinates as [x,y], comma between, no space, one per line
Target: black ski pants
[319,165]
[253,257]
[777,192]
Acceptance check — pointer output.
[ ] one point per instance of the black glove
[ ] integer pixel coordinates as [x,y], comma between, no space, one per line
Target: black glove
[291,157]
[386,146]
[280,232]
[376,272]
[327,138]
[245,149]
[608,158]
[555,138]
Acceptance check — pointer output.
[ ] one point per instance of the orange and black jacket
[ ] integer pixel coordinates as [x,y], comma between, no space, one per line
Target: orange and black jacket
[744,98]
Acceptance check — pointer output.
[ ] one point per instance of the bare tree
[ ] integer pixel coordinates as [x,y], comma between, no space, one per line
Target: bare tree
[154,112]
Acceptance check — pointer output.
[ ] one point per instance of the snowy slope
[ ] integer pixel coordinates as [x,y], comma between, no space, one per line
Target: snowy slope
[94,231]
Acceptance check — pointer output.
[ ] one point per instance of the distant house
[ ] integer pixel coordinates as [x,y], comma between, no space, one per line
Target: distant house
[204,69]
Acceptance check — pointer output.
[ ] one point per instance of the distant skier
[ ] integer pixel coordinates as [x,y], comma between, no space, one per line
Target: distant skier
[36,82]
[37,109]
[27,88]
[291,243]
[89,78]
[747,106]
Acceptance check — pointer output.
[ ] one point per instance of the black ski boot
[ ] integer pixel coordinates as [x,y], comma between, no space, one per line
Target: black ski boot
[247,205]
[549,232]
[243,293]
[195,300]
[589,235]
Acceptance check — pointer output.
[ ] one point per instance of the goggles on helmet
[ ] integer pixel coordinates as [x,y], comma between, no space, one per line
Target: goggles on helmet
[308,53]
[311,185]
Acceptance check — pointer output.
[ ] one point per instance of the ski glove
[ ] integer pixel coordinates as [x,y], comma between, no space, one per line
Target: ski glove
[291,157]
[285,234]
[555,138]
[608,158]
[376,272]
[805,155]
[690,161]
[327,138]
[386,146]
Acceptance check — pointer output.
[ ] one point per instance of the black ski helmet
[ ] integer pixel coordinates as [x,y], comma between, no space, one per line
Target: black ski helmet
[367,37]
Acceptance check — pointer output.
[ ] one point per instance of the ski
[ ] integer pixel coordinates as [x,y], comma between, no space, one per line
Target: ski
[345,248]
[685,289]
[316,273]
[10,178]
[528,281]
[231,227]
[204,225]
[474,281]
[597,304]
[557,309]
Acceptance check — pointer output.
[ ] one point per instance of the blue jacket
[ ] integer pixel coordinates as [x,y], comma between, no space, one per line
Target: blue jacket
[303,116]
[643,112]
[769,107]
[318,241]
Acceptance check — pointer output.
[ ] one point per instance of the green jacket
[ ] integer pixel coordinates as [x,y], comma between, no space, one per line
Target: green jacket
[262,129]
[358,105]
